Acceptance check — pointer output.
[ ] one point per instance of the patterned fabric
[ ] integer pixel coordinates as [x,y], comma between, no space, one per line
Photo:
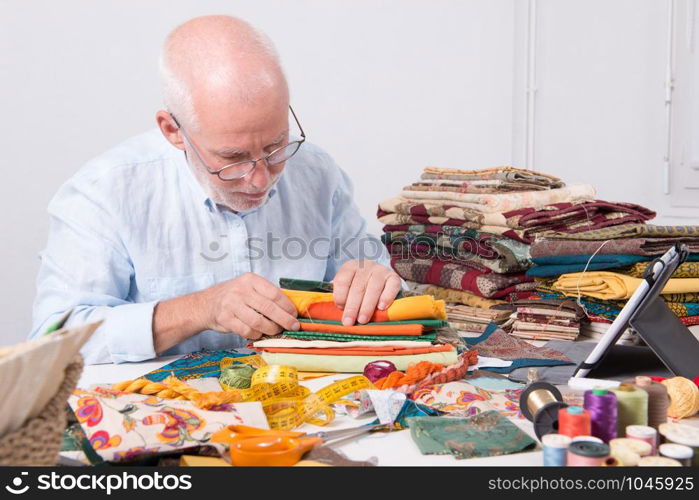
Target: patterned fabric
[450,275]
[562,304]
[121,426]
[610,309]
[635,246]
[196,365]
[477,187]
[555,265]
[462,399]
[684,270]
[484,435]
[501,255]
[496,343]
[635,231]
[690,320]
[524,224]
[504,173]
[505,202]
[461,297]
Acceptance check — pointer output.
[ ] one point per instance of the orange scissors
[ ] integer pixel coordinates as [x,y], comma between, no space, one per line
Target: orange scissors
[250,446]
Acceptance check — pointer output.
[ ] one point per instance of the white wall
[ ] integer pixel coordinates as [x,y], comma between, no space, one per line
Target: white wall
[387,87]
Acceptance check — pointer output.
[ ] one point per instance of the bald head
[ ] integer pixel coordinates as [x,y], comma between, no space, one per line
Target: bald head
[214,64]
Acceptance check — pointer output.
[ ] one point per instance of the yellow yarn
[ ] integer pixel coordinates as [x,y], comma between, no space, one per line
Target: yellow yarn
[684,397]
[145,386]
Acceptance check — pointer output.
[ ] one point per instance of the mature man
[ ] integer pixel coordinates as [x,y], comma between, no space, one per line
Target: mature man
[178,252]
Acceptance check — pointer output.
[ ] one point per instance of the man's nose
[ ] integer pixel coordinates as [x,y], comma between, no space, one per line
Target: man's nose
[260,176]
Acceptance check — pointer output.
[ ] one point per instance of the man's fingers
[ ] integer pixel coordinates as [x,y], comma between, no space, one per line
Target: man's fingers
[342,283]
[354,298]
[271,310]
[244,330]
[256,321]
[390,290]
[374,288]
[274,293]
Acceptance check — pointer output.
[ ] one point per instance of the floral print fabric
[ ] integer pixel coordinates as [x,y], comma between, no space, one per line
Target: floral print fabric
[122,426]
[464,400]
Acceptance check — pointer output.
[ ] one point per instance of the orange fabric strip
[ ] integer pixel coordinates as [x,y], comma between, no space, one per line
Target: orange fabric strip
[415,329]
[360,351]
[329,311]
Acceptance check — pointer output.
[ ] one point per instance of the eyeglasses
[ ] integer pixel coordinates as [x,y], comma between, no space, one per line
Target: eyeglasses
[240,169]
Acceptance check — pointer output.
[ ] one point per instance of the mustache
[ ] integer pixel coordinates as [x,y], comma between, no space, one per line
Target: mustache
[271,185]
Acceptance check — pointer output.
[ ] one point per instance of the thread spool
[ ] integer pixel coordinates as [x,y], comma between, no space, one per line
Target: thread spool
[658,462]
[644,433]
[684,397]
[237,376]
[555,448]
[683,454]
[602,406]
[685,434]
[540,403]
[658,400]
[640,448]
[632,407]
[625,457]
[587,438]
[573,421]
[586,454]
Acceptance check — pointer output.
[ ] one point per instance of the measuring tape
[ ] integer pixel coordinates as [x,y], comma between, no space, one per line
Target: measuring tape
[286,403]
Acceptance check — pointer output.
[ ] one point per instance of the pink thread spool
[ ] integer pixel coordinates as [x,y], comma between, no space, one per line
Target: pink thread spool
[643,433]
[587,454]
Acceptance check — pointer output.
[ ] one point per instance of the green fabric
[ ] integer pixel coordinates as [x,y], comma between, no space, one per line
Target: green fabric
[311,285]
[348,337]
[486,434]
[429,323]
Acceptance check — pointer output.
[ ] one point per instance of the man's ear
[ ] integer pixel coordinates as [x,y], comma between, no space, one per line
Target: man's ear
[169,129]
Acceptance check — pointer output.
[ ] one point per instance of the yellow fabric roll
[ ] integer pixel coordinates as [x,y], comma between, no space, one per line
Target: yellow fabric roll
[417,307]
[612,286]
[303,300]
[353,364]
[461,297]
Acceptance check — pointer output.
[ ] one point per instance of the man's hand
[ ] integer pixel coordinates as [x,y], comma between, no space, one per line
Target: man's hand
[250,306]
[361,286]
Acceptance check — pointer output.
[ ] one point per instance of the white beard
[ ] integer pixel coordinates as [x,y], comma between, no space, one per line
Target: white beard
[232,201]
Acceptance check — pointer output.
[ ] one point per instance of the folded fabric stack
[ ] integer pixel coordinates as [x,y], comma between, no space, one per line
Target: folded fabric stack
[474,319]
[536,318]
[407,332]
[595,330]
[470,231]
[603,267]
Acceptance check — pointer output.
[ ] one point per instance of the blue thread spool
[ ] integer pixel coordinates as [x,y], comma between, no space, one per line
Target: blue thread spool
[555,449]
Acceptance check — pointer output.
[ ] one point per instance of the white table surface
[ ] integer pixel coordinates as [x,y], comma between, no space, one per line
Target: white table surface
[394,448]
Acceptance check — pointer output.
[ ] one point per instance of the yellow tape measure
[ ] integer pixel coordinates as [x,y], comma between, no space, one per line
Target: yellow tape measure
[286,403]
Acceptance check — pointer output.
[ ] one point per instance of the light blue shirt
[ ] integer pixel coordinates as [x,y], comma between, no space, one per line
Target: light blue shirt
[134,227]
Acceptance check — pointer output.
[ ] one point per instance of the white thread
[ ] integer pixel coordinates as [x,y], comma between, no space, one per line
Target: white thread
[582,274]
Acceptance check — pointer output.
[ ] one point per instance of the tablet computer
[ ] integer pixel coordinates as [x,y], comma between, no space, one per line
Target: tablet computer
[648,315]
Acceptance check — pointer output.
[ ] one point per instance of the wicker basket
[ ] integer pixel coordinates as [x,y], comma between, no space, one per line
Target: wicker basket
[38,441]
